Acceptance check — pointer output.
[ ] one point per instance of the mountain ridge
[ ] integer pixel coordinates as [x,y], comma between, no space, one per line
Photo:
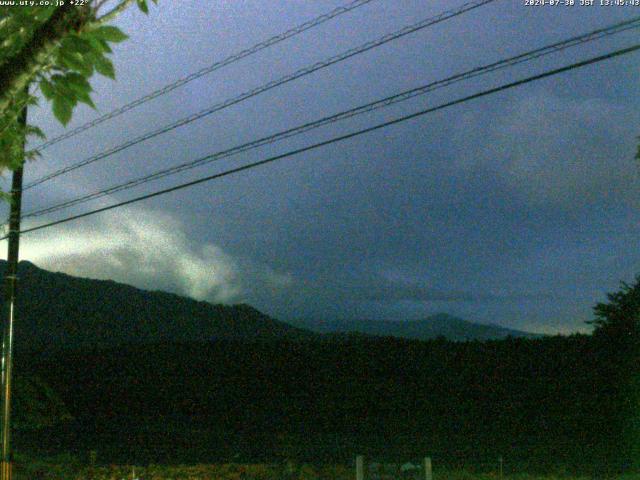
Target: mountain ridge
[57,309]
[433,326]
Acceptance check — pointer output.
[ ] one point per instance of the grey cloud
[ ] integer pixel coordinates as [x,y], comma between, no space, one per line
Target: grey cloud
[380,288]
[419,293]
[558,151]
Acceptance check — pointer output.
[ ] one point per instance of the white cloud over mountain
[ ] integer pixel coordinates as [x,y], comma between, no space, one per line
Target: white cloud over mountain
[151,250]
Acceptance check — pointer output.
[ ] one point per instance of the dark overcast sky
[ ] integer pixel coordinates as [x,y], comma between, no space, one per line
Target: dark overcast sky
[520,208]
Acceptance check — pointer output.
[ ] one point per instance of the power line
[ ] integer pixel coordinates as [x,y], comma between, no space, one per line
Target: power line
[270,85]
[385,102]
[209,69]
[314,146]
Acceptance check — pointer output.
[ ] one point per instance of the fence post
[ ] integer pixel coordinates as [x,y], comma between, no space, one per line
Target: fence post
[427,469]
[359,467]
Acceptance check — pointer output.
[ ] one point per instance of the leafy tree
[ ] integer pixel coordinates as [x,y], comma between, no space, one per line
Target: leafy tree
[58,49]
[620,317]
[617,331]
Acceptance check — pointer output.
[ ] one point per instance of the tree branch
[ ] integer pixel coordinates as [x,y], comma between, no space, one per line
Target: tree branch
[18,71]
[114,12]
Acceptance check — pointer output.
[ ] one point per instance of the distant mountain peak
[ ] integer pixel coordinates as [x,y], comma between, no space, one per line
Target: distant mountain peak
[433,326]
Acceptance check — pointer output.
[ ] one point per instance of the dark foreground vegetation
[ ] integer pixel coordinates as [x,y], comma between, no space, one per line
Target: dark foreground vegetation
[543,404]
[76,471]
[546,404]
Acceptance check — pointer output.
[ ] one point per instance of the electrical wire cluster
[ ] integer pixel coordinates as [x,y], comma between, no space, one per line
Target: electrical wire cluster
[403,96]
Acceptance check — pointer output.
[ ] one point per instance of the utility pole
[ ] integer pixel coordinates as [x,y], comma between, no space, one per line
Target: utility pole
[8,310]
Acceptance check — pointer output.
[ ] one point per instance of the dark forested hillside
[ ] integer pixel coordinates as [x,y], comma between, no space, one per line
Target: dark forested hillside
[55,309]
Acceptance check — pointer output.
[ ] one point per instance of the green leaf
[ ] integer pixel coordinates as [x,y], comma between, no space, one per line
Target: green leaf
[76,61]
[62,109]
[79,88]
[98,45]
[75,43]
[35,131]
[47,89]
[62,88]
[77,82]
[110,34]
[142,5]
[105,67]
[86,99]
[105,46]
[32,154]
